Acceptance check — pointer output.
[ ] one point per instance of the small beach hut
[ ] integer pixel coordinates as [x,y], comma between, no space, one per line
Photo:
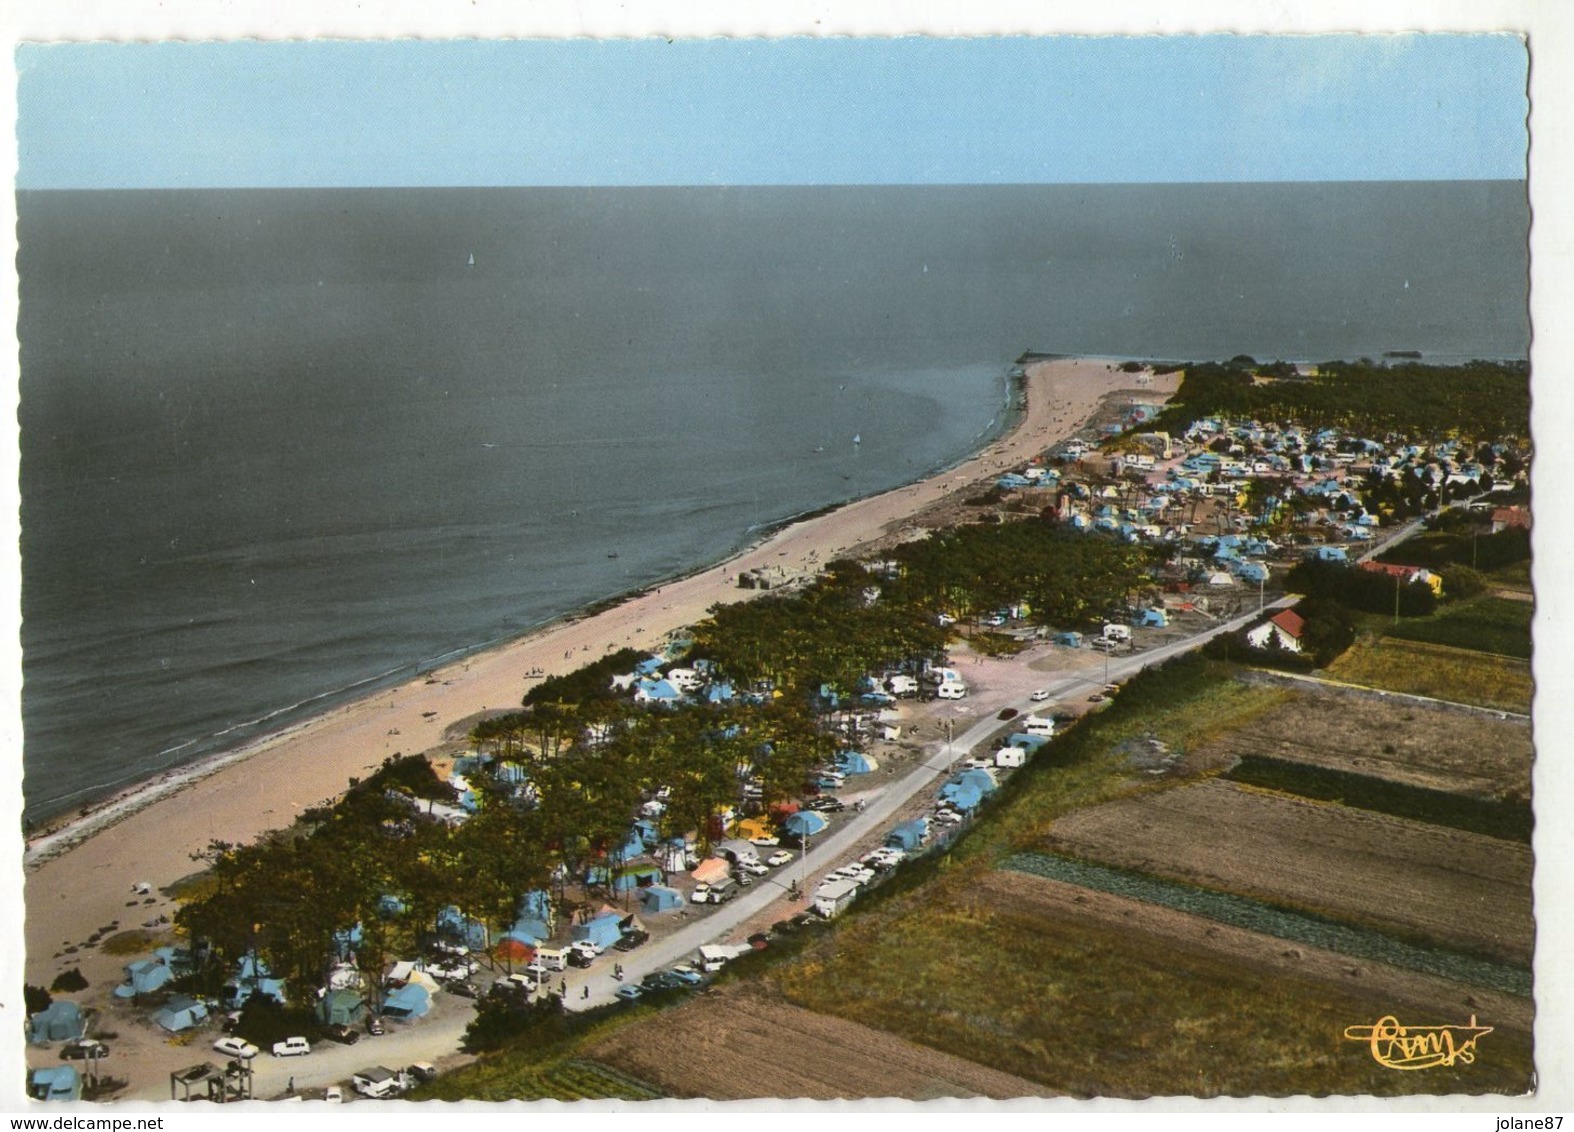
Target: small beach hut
[60,1021]
[659,898]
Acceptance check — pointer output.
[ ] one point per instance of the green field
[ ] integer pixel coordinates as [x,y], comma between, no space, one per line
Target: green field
[1440,671]
[1488,624]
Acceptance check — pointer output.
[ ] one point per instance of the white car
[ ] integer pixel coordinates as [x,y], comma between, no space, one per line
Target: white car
[333,1095]
[779,858]
[236,1047]
[1040,696]
[292,1047]
[765,842]
[754,867]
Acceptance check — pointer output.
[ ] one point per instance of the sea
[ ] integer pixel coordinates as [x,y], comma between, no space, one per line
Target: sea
[281,447]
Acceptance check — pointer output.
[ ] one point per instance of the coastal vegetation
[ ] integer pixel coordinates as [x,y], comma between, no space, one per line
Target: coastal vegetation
[1487,399]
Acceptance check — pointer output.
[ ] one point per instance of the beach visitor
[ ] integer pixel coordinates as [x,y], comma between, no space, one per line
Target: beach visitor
[585,991]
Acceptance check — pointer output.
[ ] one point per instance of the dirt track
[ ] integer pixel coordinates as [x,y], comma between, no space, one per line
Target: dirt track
[735,1043]
[1459,889]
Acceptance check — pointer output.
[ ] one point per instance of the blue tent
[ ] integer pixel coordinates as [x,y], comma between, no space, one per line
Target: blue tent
[647,832]
[346,940]
[658,898]
[633,846]
[805,822]
[855,762]
[1022,739]
[602,931]
[144,977]
[964,796]
[909,835]
[628,879]
[54,1083]
[409,1001]
[60,1021]
[472,933]
[659,691]
[528,929]
[390,907]
[1070,640]
[980,778]
[718,693]
[538,903]
[181,1013]
[1153,617]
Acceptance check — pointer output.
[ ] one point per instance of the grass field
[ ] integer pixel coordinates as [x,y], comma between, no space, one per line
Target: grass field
[1090,1010]
[1424,669]
[1487,624]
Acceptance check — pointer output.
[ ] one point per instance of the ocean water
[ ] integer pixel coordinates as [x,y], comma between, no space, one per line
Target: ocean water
[280,446]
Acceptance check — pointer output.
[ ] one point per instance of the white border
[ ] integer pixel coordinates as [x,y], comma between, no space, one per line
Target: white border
[1546,22]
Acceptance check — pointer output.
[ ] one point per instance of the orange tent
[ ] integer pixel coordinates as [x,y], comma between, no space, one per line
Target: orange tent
[515,950]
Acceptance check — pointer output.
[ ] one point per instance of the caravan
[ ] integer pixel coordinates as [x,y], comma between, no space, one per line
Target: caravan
[951,690]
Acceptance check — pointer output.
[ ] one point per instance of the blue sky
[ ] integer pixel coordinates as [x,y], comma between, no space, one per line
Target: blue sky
[793,111]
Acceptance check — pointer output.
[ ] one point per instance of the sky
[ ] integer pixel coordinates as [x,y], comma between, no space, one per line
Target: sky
[780,111]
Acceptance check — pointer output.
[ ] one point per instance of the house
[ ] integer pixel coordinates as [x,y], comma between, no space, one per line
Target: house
[1510,518]
[832,898]
[1407,574]
[1286,628]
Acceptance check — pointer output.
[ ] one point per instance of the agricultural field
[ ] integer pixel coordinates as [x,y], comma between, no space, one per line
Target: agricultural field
[1091,1007]
[1496,625]
[1444,887]
[1440,671]
[1408,743]
[737,1042]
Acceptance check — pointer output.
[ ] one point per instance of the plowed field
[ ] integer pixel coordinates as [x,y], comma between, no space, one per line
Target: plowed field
[1460,890]
[1409,743]
[736,1043]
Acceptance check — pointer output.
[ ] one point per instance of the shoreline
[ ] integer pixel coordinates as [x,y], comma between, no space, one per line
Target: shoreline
[57,833]
[152,831]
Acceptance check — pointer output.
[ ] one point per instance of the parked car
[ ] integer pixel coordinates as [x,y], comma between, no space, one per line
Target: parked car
[754,868]
[828,805]
[292,1047]
[578,957]
[687,974]
[585,947]
[84,1048]
[344,1035]
[661,981]
[628,993]
[462,989]
[1040,696]
[423,1071]
[374,1026]
[631,940]
[779,858]
[333,1094]
[236,1047]
[765,842]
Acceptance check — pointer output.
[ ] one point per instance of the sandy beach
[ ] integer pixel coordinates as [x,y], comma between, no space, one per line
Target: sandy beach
[80,877]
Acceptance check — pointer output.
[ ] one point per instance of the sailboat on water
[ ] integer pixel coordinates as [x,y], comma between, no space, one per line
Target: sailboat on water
[471,262]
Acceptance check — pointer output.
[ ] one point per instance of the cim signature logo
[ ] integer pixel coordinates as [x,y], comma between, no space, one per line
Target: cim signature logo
[1418,1047]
